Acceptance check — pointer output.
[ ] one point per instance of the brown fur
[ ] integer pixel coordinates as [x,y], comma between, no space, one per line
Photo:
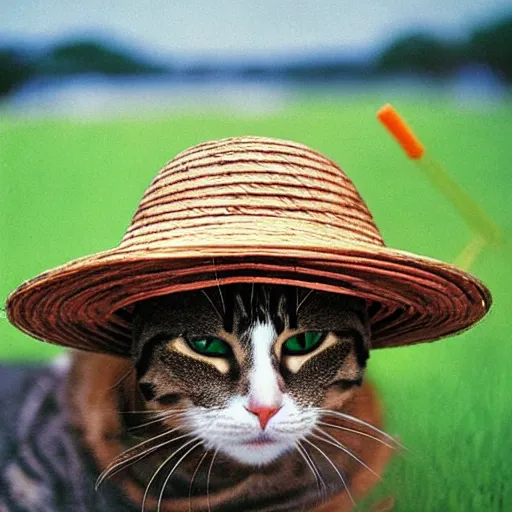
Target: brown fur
[100,386]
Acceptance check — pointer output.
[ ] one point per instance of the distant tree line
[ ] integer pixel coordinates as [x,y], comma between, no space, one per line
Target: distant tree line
[68,59]
[415,53]
[422,53]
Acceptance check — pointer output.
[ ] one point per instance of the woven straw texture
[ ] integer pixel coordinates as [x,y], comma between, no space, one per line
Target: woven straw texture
[248,209]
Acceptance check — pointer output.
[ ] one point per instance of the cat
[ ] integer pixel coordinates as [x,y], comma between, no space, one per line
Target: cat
[245,397]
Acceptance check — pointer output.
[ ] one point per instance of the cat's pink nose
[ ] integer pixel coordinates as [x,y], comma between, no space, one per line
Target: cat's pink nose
[263,413]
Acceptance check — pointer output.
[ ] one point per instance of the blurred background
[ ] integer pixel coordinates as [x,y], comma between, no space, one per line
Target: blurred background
[96,96]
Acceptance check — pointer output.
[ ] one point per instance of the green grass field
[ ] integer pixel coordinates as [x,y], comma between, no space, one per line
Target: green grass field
[69,188]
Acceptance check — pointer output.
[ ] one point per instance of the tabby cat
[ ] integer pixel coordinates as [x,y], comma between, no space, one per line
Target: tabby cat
[245,397]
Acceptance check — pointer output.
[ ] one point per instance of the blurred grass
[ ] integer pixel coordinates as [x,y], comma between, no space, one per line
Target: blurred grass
[68,188]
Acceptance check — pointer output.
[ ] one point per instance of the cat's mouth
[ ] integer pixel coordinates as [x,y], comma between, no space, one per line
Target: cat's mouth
[261,440]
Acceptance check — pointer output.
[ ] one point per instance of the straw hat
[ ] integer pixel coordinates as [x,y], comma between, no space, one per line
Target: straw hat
[248,209]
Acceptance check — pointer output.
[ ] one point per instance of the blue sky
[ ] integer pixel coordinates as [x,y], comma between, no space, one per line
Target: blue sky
[232,28]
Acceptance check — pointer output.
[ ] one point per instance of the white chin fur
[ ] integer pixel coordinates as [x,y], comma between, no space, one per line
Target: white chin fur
[256,455]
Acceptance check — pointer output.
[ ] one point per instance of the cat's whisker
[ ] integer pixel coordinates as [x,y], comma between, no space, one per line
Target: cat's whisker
[182,458]
[134,453]
[241,305]
[308,463]
[338,472]
[266,295]
[132,460]
[192,480]
[147,441]
[304,299]
[122,378]
[162,465]
[348,417]
[212,304]
[160,418]
[208,480]
[312,466]
[219,287]
[334,442]
[152,411]
[358,432]
[146,424]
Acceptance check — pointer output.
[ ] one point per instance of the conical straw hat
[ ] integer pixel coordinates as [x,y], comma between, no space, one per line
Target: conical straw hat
[248,209]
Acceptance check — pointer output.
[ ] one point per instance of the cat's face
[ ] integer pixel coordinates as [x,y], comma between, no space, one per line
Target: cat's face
[248,368]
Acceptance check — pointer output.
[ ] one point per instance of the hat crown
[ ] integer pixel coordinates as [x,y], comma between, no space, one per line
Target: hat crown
[250,190]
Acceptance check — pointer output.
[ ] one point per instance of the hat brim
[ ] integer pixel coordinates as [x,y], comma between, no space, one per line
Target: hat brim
[86,304]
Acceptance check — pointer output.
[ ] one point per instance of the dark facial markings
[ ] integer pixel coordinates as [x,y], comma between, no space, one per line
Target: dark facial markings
[212,357]
[176,377]
[322,372]
[247,305]
[148,390]
[169,399]
[360,344]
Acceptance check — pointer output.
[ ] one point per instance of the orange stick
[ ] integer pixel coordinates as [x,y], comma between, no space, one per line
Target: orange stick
[476,218]
[390,118]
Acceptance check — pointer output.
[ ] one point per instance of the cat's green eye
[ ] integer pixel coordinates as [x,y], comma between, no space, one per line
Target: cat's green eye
[211,347]
[302,343]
